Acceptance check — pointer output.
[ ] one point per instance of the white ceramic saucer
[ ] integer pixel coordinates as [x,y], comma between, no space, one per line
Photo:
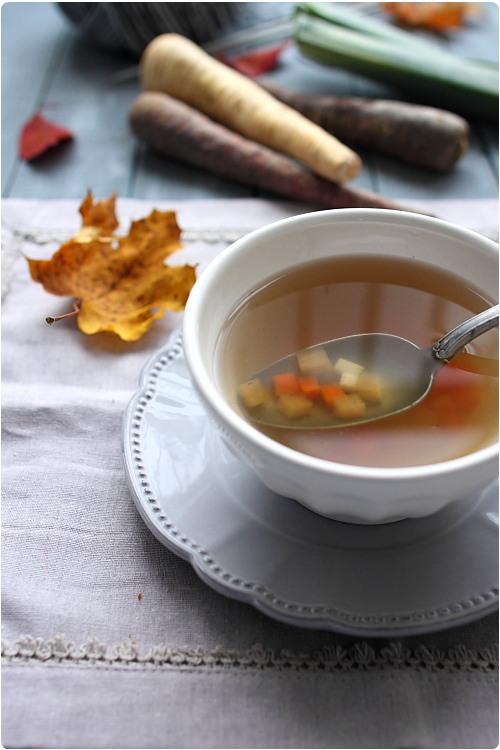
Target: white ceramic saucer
[398,579]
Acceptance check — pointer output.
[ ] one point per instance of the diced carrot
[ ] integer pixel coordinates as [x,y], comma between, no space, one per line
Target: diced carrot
[331,393]
[310,387]
[286,384]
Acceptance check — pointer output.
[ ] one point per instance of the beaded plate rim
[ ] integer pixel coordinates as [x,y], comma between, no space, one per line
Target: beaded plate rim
[319,616]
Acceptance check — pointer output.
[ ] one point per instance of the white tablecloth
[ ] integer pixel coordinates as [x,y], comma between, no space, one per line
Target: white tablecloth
[109,639]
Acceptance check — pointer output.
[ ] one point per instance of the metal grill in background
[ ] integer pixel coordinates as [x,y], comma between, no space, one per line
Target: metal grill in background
[129,27]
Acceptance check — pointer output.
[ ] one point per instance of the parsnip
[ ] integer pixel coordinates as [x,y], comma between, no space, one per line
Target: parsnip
[182,133]
[176,66]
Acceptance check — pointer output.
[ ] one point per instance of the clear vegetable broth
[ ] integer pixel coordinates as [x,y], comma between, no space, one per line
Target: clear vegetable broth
[364,294]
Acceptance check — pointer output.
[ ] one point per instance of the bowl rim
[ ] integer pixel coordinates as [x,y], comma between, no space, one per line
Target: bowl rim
[205,385]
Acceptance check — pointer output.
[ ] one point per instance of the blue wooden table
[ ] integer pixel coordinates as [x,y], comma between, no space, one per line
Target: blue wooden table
[48,65]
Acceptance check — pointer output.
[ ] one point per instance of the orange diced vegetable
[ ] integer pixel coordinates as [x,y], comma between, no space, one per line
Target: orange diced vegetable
[331,393]
[310,387]
[286,384]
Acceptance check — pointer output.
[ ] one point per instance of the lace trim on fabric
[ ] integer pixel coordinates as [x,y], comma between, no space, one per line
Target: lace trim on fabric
[359,657]
[16,237]
[46,236]
[40,236]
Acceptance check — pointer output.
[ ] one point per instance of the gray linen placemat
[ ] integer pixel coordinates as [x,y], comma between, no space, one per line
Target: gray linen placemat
[112,641]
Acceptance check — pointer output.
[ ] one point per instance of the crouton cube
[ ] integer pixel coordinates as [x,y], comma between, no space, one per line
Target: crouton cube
[369,388]
[313,361]
[253,393]
[349,407]
[296,406]
[349,381]
[345,365]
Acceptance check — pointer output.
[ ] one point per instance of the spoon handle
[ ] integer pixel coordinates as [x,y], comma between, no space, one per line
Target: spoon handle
[449,345]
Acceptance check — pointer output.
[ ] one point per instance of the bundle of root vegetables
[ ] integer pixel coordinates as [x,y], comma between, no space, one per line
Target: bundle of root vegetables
[197,110]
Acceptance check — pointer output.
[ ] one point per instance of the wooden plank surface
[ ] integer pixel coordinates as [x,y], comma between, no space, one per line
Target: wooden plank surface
[157,177]
[29,60]
[80,96]
[46,63]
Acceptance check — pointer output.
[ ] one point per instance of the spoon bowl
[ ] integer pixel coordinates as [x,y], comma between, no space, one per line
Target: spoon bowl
[405,370]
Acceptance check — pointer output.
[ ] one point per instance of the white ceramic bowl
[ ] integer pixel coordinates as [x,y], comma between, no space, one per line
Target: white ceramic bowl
[352,493]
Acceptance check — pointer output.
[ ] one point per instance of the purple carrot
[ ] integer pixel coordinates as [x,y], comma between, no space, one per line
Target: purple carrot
[178,131]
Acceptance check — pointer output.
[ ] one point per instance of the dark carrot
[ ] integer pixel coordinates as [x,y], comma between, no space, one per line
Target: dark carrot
[426,136]
[178,131]
[286,384]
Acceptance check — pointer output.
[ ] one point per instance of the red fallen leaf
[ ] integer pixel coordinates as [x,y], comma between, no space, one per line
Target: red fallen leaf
[258,61]
[38,135]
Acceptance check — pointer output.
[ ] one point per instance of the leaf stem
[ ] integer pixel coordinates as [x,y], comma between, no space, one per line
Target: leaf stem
[50,319]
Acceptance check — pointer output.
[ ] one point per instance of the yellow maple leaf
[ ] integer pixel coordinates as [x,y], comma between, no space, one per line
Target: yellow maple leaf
[99,214]
[122,283]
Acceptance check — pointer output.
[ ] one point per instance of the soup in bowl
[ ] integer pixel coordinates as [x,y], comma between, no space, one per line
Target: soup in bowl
[331,274]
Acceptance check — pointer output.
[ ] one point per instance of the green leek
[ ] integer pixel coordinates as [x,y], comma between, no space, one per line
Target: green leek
[349,40]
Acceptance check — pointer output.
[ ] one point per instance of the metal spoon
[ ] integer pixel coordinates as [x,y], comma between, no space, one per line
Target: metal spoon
[406,370]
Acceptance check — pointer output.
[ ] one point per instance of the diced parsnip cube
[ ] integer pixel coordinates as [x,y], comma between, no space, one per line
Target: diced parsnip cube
[295,406]
[349,407]
[313,361]
[349,381]
[253,393]
[369,388]
[345,365]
